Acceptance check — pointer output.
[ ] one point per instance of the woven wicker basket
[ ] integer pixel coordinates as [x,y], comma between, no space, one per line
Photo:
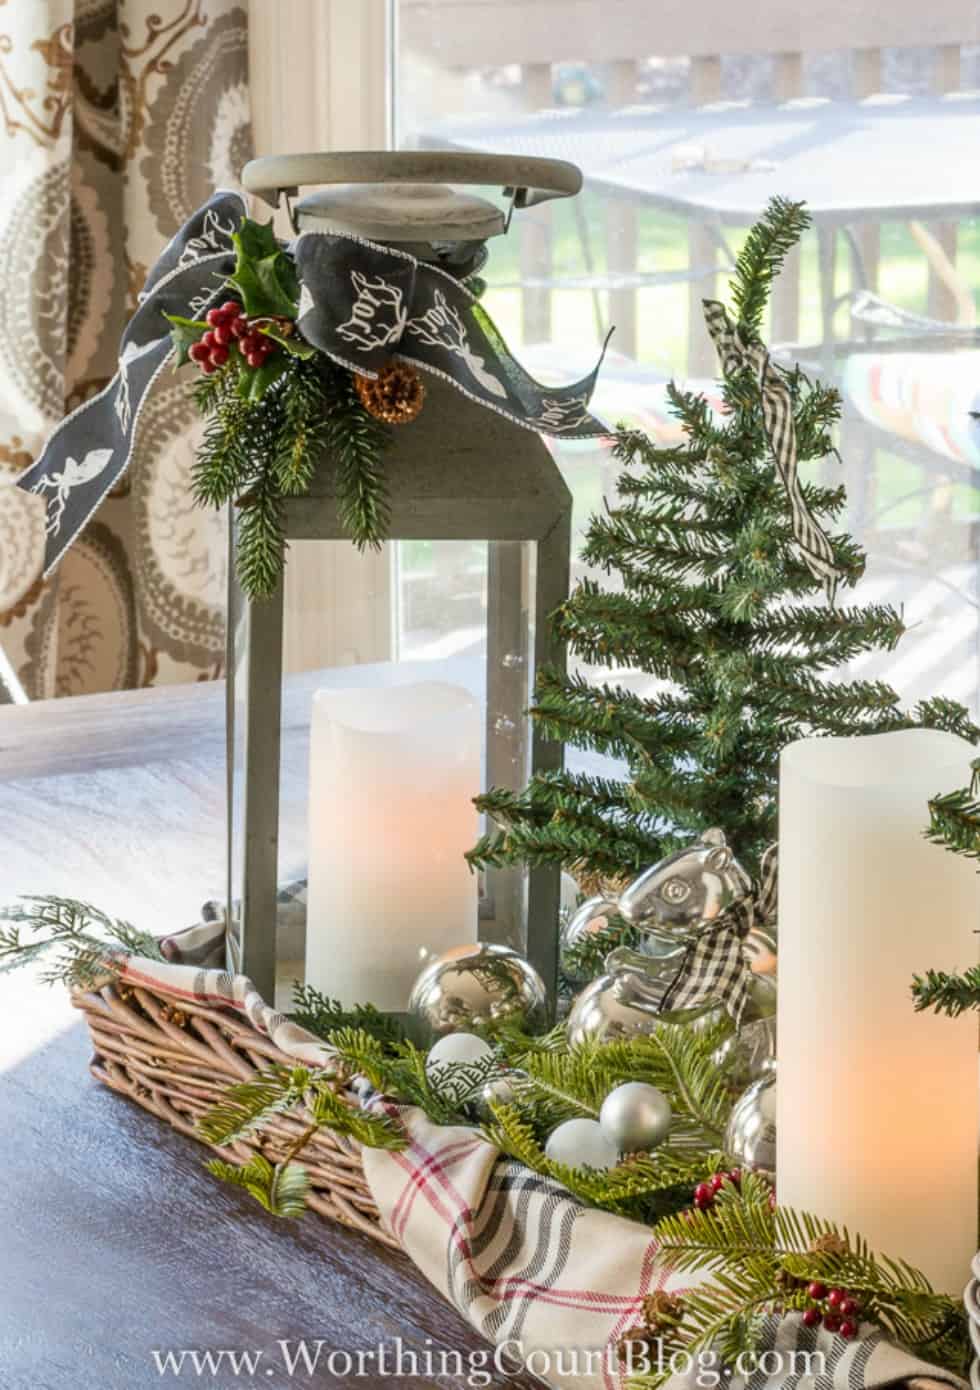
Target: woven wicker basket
[175,1059]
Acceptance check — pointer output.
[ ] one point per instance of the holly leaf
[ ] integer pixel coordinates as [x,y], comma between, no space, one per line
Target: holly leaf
[184,333]
[253,383]
[264,276]
[294,344]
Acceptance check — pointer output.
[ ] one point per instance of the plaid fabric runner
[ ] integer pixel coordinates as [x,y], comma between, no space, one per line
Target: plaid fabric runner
[550,1281]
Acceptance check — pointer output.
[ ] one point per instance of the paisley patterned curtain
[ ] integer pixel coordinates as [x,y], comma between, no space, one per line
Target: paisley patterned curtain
[117,119]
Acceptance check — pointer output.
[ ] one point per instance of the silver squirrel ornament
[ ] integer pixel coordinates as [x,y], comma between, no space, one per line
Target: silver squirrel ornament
[693,911]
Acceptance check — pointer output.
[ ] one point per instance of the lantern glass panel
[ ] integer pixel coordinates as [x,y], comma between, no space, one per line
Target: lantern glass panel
[445,623]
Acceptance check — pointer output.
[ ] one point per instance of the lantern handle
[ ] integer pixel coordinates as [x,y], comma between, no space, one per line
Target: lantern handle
[525,179]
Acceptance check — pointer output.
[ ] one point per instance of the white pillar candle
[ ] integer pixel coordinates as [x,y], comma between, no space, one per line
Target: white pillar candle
[392,776]
[877,1105]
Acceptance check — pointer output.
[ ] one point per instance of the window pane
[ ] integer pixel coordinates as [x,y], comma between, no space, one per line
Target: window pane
[684,126]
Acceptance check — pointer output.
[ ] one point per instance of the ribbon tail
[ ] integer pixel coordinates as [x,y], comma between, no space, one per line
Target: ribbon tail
[89,451]
[737,353]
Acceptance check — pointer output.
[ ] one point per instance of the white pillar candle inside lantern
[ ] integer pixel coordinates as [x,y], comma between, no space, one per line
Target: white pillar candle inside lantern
[877,1105]
[392,777]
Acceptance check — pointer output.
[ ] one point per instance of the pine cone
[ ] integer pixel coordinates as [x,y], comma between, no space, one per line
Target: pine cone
[639,1338]
[394,396]
[661,1310]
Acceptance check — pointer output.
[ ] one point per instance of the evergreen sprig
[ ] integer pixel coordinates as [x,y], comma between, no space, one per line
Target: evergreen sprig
[357,442]
[84,943]
[324,1016]
[954,818]
[761,1256]
[947,993]
[280,1188]
[268,427]
[308,1096]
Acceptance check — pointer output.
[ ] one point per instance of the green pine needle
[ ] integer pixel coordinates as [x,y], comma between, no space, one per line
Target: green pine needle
[83,944]
[281,1189]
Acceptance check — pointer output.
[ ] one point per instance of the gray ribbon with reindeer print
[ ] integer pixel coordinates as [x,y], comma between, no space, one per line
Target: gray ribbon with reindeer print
[360,303]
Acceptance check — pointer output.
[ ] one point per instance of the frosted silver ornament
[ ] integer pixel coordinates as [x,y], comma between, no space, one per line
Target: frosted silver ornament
[581,1144]
[636,1116]
[448,1059]
[591,917]
[479,985]
[750,1137]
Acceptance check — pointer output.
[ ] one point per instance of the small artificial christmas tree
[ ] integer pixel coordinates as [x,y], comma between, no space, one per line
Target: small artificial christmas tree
[714,597]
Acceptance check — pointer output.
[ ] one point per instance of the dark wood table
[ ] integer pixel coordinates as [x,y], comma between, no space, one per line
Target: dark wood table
[116,1242]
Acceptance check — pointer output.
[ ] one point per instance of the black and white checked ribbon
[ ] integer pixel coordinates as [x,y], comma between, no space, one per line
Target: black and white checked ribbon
[715,965]
[737,351]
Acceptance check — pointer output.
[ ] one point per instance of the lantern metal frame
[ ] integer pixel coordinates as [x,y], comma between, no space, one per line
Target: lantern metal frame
[460,472]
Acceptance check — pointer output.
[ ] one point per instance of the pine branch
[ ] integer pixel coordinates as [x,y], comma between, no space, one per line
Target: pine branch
[954,820]
[324,1016]
[261,537]
[86,943]
[357,442]
[947,994]
[281,1189]
[303,432]
[762,1257]
[765,249]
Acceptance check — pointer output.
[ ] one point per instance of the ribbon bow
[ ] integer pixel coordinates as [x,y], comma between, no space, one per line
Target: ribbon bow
[360,303]
[715,966]
[736,351]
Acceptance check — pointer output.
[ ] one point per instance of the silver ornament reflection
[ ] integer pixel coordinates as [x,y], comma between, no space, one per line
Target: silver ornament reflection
[479,985]
[749,1053]
[591,917]
[500,1091]
[751,1134]
[636,1116]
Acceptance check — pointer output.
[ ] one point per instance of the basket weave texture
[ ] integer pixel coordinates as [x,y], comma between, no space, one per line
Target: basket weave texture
[176,1058]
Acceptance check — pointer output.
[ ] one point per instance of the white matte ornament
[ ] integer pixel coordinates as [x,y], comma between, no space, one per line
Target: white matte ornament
[581,1144]
[636,1117]
[449,1053]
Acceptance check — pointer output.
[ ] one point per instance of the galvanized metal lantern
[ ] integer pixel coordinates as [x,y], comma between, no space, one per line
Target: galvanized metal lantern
[342,807]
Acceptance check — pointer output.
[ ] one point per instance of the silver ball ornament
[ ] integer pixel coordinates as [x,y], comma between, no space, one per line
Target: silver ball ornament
[581,1144]
[447,1057]
[500,1091]
[585,921]
[750,1137]
[748,1054]
[636,1116]
[479,985]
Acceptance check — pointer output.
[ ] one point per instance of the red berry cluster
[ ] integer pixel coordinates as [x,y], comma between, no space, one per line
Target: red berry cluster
[837,1310]
[227,325]
[705,1192]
